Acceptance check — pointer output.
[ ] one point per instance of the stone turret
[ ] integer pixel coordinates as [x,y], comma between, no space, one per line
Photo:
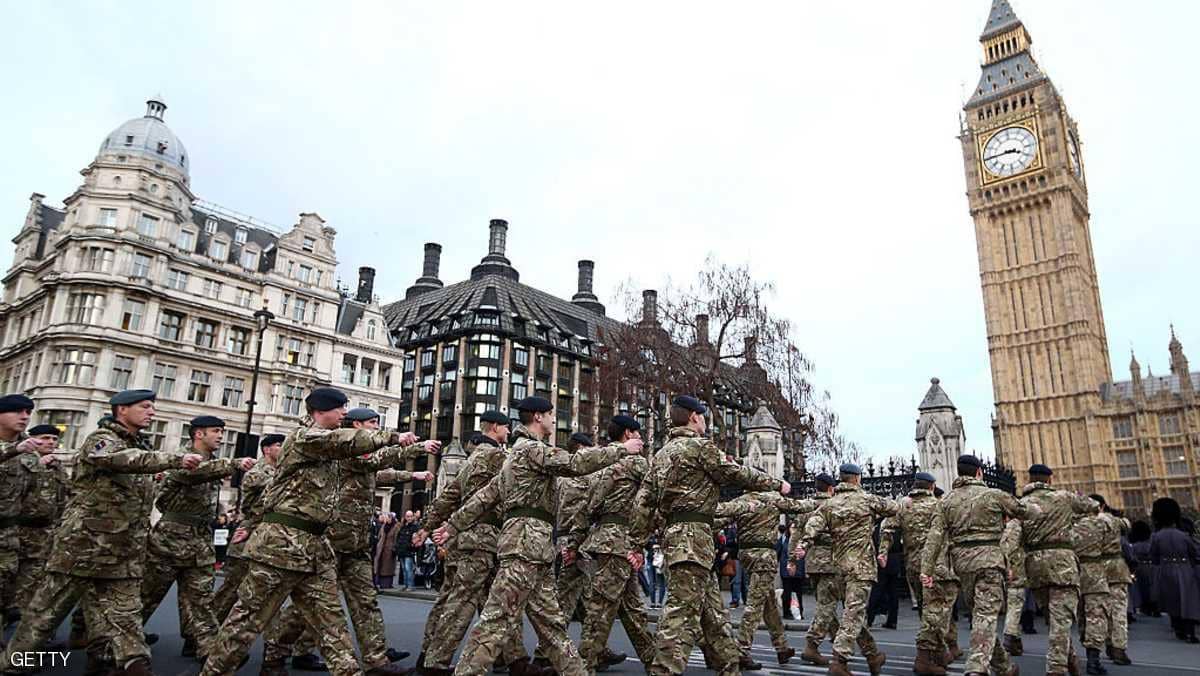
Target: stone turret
[940,435]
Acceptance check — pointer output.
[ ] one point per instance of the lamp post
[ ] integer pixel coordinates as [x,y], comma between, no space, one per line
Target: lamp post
[262,319]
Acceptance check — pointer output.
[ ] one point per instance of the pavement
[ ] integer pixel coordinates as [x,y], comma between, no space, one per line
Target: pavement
[1152,645]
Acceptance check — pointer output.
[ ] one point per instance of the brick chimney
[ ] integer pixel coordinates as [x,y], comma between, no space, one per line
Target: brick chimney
[649,306]
[428,281]
[495,262]
[366,285]
[584,297]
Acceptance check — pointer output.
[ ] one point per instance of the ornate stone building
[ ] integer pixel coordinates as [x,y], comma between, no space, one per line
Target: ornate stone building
[1028,194]
[941,437]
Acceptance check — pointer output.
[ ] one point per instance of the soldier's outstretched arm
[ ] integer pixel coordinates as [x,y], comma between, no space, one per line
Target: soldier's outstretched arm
[448,499]
[389,457]
[209,470]
[393,476]
[729,473]
[933,543]
[484,500]
[1081,504]
[814,526]
[105,455]
[557,462]
[882,506]
[793,505]
[1017,509]
[339,444]
[888,530]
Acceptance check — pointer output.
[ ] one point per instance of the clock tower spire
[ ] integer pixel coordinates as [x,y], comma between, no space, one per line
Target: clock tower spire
[1027,194]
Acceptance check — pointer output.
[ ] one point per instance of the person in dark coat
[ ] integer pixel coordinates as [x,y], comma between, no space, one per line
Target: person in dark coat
[885,595]
[1140,597]
[792,576]
[1175,555]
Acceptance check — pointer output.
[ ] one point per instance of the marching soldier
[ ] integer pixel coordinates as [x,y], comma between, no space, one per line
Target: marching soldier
[525,489]
[471,562]
[1119,576]
[15,411]
[614,586]
[757,517]
[939,632]
[971,520]
[46,488]
[98,551]
[1050,565]
[680,493]
[180,546]
[826,581]
[850,516]
[1088,537]
[289,553]
[1014,554]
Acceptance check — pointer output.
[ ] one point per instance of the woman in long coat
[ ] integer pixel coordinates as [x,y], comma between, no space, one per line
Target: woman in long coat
[1175,556]
[385,560]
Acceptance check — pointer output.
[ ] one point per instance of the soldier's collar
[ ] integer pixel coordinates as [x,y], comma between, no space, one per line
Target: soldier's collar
[1035,486]
[522,432]
[485,440]
[683,432]
[846,487]
[919,492]
[120,430]
[961,481]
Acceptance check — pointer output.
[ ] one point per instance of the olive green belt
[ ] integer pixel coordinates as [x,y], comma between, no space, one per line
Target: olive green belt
[1099,558]
[619,519]
[26,521]
[294,522]
[186,519]
[976,543]
[755,544]
[689,517]
[531,513]
[491,520]
[1046,546]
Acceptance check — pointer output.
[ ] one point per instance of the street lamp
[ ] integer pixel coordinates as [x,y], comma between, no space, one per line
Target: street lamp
[262,319]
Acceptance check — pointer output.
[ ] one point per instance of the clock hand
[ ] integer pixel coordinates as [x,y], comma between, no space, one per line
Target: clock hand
[1010,151]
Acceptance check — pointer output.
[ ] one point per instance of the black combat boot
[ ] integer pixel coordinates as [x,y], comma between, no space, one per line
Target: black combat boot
[1013,645]
[309,662]
[747,663]
[189,647]
[138,667]
[1119,656]
[1094,668]
[394,655]
[272,668]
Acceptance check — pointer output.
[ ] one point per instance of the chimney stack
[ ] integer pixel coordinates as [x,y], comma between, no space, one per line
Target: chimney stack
[584,296]
[494,263]
[649,306]
[428,281]
[366,284]
[751,349]
[702,329]
[497,237]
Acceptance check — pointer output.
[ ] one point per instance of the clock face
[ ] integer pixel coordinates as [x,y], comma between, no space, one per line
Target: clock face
[1010,151]
[1073,147]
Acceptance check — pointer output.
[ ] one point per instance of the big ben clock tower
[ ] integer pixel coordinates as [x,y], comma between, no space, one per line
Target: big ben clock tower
[1027,189]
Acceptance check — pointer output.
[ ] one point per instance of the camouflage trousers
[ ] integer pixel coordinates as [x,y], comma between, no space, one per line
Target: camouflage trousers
[195,597]
[572,587]
[1013,605]
[853,624]
[31,573]
[1096,619]
[356,582]
[521,588]
[113,609]
[615,593]
[9,567]
[827,590]
[1060,604]
[983,593]
[235,570]
[260,596]
[761,605]
[1118,622]
[469,575]
[938,631]
[694,613]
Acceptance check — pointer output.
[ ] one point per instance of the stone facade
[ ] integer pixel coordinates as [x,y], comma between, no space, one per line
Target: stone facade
[940,436]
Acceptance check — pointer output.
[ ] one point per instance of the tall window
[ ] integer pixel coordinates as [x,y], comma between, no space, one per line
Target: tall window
[518,386]
[349,368]
[1175,460]
[96,259]
[73,366]
[177,279]
[206,333]
[1122,428]
[141,266]
[148,225]
[240,236]
[1127,464]
[198,388]
[385,376]
[164,380]
[132,313]
[305,275]
[219,250]
[85,308]
[293,395]
[520,357]
[370,329]
[250,259]
[231,396]
[243,297]
[299,308]
[210,226]
[212,289]
[122,372]
[108,218]
[157,433]
[426,359]
[186,241]
[1168,424]
[170,325]
[366,374]
[237,340]
[309,244]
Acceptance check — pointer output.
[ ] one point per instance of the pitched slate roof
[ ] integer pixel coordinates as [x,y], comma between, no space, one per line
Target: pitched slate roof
[265,240]
[1006,76]
[1151,387]
[1000,19]
[935,398]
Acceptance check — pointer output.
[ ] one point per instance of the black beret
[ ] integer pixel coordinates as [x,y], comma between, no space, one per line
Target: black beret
[129,397]
[11,403]
[38,430]
[1040,470]
[534,405]
[850,468]
[495,417]
[269,439]
[824,478]
[206,421]
[970,460]
[581,439]
[925,476]
[361,414]
[690,403]
[626,422]
[325,399]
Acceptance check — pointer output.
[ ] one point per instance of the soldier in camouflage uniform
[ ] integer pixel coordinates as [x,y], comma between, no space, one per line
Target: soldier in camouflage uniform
[15,411]
[938,630]
[1014,554]
[911,524]
[614,586]
[970,519]
[1088,536]
[180,546]
[99,548]
[289,553]
[757,515]
[824,576]
[1051,568]
[471,563]
[1119,577]
[526,491]
[349,535]
[680,495]
[849,517]
[46,485]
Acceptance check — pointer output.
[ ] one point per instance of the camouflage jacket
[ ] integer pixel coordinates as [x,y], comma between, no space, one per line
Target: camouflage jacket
[1088,537]
[970,521]
[45,497]
[305,487]
[13,485]
[1049,554]
[350,531]
[818,559]
[526,492]
[682,489]
[1014,553]
[757,516]
[571,516]
[188,503]
[103,529]
[850,517]
[254,484]
[607,509]
[1114,559]
[911,524]
[482,465]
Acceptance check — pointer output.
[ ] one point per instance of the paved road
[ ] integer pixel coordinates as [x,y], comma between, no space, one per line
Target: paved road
[1153,647]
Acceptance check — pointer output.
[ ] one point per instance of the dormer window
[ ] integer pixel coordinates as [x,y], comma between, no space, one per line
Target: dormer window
[371,329]
[240,236]
[250,259]
[210,226]
[162,147]
[309,244]
[218,249]
[129,139]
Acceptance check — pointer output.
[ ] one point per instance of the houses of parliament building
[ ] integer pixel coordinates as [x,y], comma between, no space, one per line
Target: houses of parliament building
[1056,401]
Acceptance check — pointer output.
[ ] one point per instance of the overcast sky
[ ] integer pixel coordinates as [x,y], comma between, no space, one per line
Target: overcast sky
[815,141]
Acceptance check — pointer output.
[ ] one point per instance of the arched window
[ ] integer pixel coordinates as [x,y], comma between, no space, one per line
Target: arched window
[371,329]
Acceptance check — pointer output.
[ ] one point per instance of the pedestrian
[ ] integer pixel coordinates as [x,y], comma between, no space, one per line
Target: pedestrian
[658,566]
[790,577]
[428,565]
[220,536]
[405,548]
[731,567]
[1142,594]
[885,595]
[1175,555]
[383,556]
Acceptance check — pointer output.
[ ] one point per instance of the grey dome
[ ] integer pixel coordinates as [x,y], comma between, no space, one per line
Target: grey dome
[149,137]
